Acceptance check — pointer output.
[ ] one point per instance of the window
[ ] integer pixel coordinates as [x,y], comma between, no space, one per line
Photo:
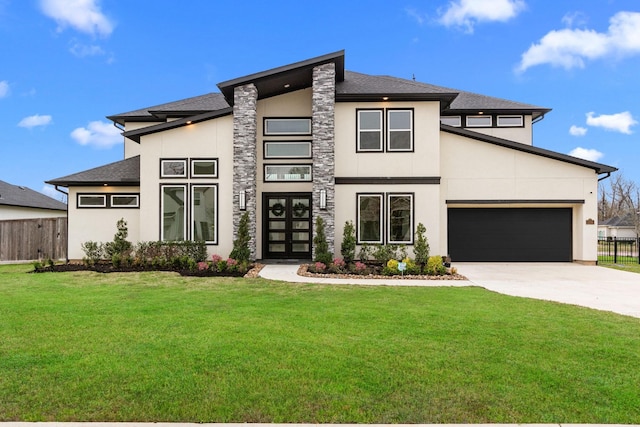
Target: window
[287,173]
[204,168]
[287,126]
[369,130]
[478,121]
[204,213]
[125,200]
[451,120]
[369,218]
[400,218]
[510,121]
[173,221]
[173,168]
[92,200]
[287,149]
[399,130]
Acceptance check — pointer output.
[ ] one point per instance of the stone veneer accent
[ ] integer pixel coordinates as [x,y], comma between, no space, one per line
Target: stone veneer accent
[323,123]
[245,124]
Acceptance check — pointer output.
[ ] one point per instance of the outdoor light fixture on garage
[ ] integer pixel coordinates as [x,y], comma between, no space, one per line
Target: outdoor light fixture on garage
[323,199]
[242,200]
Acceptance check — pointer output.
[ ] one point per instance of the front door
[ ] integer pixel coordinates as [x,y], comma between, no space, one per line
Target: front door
[287,225]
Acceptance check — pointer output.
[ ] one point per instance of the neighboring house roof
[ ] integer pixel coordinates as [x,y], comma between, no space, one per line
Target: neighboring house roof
[619,221]
[598,167]
[15,195]
[123,173]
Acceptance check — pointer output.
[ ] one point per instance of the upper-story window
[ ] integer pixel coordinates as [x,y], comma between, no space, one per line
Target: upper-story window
[369,124]
[287,126]
[451,120]
[173,168]
[204,168]
[479,121]
[399,130]
[510,121]
[287,149]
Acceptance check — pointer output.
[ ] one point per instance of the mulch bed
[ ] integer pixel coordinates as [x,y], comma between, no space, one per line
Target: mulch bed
[110,268]
[303,271]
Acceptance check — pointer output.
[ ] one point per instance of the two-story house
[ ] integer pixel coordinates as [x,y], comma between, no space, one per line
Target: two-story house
[311,140]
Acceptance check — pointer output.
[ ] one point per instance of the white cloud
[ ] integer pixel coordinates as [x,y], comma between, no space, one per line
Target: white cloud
[83,15]
[586,153]
[619,122]
[569,48]
[466,13]
[4,88]
[35,120]
[577,131]
[81,50]
[98,134]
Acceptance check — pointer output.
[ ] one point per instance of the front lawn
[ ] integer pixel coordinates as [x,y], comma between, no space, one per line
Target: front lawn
[157,346]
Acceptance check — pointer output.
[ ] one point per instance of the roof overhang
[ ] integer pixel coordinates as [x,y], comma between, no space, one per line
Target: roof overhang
[535,112]
[288,78]
[598,167]
[445,98]
[136,134]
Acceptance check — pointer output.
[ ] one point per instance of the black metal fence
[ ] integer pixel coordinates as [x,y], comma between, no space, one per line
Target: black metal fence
[620,250]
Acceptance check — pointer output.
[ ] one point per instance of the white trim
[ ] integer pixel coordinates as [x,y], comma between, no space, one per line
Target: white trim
[390,131]
[520,124]
[380,196]
[287,177]
[162,214]
[102,196]
[289,119]
[215,168]
[456,121]
[176,175]
[215,212]
[379,131]
[308,155]
[480,125]
[115,196]
[411,219]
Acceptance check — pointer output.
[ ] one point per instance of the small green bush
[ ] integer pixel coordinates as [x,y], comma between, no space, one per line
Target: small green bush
[435,266]
[320,244]
[93,252]
[421,245]
[241,251]
[348,248]
[365,252]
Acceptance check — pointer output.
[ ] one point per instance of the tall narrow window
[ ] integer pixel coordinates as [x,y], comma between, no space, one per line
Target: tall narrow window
[173,218]
[204,213]
[399,130]
[400,217]
[369,218]
[369,130]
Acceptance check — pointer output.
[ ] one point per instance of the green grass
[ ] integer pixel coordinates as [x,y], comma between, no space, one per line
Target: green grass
[160,347]
[633,268]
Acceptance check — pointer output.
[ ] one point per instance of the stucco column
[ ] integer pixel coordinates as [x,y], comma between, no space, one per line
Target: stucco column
[245,124]
[323,120]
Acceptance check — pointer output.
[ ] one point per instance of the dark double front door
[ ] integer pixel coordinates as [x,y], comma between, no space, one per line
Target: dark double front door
[287,225]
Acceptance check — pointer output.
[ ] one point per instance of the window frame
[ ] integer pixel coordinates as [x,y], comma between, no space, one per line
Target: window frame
[411,218]
[265,131]
[459,120]
[381,131]
[267,142]
[163,175]
[381,230]
[510,116]
[388,132]
[194,160]
[192,210]
[115,206]
[103,196]
[480,116]
[305,165]
[186,215]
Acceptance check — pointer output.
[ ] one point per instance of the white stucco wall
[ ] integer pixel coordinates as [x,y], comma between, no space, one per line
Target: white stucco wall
[209,139]
[99,224]
[8,212]
[475,170]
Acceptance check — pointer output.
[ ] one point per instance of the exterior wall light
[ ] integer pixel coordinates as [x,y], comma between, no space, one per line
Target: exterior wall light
[323,199]
[242,200]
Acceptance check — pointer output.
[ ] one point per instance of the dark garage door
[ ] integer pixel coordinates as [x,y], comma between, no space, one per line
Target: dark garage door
[510,234]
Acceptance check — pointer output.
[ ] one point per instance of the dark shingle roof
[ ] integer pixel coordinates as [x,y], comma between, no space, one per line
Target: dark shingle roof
[123,173]
[184,107]
[361,84]
[619,221]
[14,195]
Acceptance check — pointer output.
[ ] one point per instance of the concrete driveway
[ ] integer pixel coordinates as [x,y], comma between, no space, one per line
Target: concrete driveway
[589,286]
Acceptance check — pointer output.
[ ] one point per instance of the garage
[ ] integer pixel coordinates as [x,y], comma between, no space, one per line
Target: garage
[510,234]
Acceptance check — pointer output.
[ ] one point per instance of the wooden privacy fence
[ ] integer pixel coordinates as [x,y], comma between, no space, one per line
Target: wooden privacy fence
[31,239]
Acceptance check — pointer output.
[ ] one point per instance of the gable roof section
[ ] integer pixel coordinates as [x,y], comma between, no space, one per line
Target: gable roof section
[619,221]
[182,108]
[14,195]
[598,167]
[123,173]
[288,78]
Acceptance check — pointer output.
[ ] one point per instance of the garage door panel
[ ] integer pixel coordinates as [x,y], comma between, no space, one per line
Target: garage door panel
[510,234]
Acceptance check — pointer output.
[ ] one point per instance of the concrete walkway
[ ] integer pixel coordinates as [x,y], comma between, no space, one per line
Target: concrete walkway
[595,287]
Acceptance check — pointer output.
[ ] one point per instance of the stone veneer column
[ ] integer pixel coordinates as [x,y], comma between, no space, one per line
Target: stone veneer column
[323,108]
[245,124]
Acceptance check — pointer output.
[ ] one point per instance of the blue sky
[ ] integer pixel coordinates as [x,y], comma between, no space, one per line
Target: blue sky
[66,64]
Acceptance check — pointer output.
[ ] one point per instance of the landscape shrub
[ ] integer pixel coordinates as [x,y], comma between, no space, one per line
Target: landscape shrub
[321,246]
[241,251]
[348,247]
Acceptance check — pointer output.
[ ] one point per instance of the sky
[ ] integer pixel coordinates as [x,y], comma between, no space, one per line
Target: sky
[67,64]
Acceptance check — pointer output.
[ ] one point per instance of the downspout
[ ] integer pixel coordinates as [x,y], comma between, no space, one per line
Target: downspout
[538,119]
[605,177]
